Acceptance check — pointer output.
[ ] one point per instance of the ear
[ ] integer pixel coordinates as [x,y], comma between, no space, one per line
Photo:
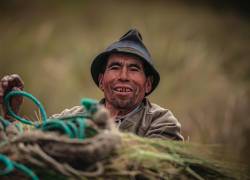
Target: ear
[100,80]
[148,84]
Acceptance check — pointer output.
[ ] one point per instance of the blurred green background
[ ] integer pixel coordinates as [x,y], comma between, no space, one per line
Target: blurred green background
[201,51]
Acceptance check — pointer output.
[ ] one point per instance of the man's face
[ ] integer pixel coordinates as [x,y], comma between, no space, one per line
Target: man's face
[124,82]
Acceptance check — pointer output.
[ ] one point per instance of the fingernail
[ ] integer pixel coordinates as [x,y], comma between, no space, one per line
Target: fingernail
[5,83]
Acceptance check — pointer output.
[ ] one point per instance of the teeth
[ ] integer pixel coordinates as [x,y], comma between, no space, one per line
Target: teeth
[123,89]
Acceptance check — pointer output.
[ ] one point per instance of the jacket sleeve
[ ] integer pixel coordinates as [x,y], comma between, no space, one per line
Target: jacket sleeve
[165,126]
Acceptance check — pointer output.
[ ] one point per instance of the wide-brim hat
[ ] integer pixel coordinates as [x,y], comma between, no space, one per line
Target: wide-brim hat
[129,43]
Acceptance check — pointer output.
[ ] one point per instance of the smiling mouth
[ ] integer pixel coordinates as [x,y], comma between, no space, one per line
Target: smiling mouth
[122,89]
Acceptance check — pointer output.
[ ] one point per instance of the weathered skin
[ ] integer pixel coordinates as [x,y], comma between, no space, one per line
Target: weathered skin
[9,83]
[124,83]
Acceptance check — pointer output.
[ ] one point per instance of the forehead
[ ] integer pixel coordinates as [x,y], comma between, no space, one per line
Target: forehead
[124,58]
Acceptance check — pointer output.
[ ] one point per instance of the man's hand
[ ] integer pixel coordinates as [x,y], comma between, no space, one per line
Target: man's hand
[11,83]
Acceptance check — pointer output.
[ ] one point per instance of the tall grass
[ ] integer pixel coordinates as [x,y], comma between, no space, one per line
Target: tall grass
[202,55]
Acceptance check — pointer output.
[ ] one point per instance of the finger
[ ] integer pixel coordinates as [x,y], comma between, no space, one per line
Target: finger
[17,81]
[1,95]
[1,92]
[14,80]
[16,99]
[10,82]
[4,82]
[16,89]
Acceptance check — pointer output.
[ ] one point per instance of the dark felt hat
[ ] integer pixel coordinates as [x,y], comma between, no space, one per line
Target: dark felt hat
[129,43]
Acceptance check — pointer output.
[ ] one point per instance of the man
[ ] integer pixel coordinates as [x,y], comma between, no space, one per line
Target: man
[126,75]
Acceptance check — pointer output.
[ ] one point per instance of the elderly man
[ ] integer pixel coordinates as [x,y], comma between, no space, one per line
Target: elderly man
[126,75]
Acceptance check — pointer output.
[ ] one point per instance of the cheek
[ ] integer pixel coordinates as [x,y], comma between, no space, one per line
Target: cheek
[109,76]
[140,81]
[141,85]
[107,80]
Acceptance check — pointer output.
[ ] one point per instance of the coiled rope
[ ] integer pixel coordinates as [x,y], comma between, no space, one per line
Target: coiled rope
[72,126]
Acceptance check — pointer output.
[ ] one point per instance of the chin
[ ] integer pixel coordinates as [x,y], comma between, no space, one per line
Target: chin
[123,103]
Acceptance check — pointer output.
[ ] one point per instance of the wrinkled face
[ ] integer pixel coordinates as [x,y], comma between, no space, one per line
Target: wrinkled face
[124,82]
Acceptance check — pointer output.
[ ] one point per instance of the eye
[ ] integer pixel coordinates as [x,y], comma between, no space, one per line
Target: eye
[134,69]
[114,67]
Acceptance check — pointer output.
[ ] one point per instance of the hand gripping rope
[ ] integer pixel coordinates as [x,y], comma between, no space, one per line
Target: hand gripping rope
[72,126]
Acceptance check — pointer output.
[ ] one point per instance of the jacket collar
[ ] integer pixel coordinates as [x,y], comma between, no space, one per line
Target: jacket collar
[129,120]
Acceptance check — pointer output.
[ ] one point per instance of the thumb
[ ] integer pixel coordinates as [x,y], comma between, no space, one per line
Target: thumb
[16,100]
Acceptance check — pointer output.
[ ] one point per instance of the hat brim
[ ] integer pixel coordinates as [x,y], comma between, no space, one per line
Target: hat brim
[101,59]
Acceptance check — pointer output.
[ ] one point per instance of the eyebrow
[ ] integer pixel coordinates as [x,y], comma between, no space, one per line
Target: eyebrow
[135,65]
[120,64]
[114,64]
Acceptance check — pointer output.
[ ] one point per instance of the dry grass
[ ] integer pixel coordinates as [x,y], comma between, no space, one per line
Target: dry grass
[157,159]
[202,55]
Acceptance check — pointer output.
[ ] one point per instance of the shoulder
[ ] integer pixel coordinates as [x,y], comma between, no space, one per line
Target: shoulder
[163,123]
[155,108]
[159,112]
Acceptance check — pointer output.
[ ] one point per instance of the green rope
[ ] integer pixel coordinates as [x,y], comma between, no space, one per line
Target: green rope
[7,164]
[73,126]
[4,122]
[57,125]
[31,97]
[26,170]
[11,166]
[82,125]
[90,105]
[19,126]
[73,129]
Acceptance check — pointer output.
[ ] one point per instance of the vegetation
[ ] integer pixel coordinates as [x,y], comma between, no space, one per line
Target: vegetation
[113,155]
[201,52]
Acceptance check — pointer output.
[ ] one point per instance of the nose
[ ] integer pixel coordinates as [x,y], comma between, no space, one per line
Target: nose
[123,74]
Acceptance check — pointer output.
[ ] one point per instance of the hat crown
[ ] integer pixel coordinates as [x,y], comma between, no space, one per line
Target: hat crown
[132,35]
[132,40]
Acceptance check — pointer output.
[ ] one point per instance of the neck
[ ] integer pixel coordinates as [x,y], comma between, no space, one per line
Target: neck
[118,111]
